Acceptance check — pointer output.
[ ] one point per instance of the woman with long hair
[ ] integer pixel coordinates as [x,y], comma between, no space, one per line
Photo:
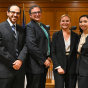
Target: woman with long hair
[82,63]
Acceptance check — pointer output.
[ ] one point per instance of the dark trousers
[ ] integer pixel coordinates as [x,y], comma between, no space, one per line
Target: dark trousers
[32,80]
[43,79]
[16,81]
[82,82]
[67,80]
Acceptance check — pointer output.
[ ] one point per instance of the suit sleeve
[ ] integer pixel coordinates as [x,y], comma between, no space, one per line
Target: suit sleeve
[33,49]
[5,57]
[22,55]
[53,52]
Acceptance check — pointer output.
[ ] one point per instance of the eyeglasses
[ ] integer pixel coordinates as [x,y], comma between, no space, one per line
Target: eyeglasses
[13,12]
[36,12]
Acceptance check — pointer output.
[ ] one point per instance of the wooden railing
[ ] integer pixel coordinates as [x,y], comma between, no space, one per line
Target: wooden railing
[49,80]
[49,73]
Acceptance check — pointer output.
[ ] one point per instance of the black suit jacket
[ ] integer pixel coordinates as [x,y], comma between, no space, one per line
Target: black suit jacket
[8,46]
[37,44]
[58,53]
[82,63]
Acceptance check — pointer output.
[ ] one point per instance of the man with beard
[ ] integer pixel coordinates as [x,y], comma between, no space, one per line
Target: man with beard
[12,50]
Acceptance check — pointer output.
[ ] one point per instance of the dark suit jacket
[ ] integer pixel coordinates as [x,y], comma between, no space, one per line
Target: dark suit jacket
[37,44]
[58,53]
[82,63]
[8,46]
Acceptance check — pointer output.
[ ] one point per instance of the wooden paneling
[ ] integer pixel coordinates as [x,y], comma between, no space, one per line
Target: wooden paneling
[47,18]
[57,22]
[51,12]
[43,0]
[3,16]
[27,17]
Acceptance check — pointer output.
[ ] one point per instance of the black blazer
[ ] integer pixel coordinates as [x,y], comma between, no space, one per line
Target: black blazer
[58,53]
[8,46]
[82,62]
[37,44]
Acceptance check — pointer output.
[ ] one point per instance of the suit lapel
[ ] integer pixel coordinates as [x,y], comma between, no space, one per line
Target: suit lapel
[9,28]
[61,40]
[46,30]
[39,28]
[72,42]
[86,43]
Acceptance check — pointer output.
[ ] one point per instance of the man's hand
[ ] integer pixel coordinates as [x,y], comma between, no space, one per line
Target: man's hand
[60,71]
[17,64]
[47,63]
[49,59]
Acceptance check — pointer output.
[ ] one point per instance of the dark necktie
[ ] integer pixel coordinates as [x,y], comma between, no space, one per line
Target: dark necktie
[13,29]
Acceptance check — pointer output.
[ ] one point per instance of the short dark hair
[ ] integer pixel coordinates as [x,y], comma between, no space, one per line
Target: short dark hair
[83,16]
[13,5]
[79,21]
[34,7]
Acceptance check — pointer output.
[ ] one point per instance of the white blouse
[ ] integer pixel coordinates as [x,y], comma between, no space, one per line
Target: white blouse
[67,45]
[82,41]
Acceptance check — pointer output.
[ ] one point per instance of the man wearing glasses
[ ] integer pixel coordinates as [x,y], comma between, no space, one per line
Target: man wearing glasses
[38,43]
[12,50]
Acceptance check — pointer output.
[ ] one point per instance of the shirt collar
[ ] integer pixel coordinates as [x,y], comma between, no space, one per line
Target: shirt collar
[84,35]
[11,23]
[38,23]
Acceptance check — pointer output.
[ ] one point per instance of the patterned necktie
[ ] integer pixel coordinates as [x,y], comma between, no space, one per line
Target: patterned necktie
[48,52]
[13,29]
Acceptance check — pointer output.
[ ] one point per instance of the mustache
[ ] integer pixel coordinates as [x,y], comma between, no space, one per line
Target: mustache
[15,16]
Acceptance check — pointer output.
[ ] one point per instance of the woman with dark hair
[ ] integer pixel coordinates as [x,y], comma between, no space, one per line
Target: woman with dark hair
[81,31]
[82,63]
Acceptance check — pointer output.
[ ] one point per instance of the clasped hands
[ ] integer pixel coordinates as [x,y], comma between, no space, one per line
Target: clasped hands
[47,62]
[17,64]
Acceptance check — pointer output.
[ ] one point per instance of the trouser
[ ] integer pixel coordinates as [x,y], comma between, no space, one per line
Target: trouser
[36,80]
[16,81]
[43,79]
[32,80]
[67,80]
[82,82]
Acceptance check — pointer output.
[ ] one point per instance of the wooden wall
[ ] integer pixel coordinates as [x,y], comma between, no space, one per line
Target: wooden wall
[51,12]
[42,0]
